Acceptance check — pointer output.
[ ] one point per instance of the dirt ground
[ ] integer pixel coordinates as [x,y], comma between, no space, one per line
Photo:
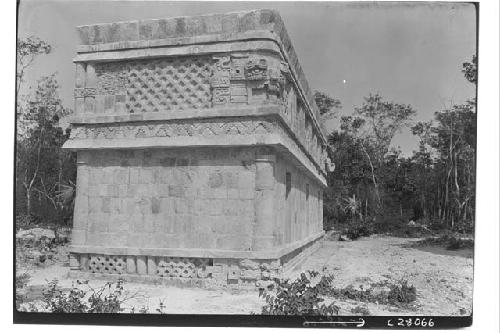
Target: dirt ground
[443,280]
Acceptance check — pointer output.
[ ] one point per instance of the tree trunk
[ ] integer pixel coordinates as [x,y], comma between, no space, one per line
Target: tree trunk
[366,208]
[375,184]
[28,202]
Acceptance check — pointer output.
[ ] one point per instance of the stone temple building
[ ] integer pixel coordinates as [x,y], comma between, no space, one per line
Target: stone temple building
[201,156]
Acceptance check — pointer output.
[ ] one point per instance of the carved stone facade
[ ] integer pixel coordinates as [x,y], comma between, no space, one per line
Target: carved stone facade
[241,272]
[192,128]
[168,84]
[163,85]
[200,157]
[194,82]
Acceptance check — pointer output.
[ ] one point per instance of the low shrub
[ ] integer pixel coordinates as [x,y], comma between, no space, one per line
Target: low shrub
[361,310]
[410,231]
[21,283]
[464,227]
[386,224]
[360,295]
[402,293]
[299,297]
[355,231]
[457,243]
[448,241]
[25,221]
[436,225]
[392,227]
[302,297]
[82,298]
[399,293]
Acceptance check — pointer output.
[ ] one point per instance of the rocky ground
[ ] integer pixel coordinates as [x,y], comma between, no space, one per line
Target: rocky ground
[443,280]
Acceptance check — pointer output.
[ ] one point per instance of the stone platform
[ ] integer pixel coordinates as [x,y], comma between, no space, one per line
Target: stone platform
[201,158]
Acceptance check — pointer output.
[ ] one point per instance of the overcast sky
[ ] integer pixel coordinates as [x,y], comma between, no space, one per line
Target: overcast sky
[409,53]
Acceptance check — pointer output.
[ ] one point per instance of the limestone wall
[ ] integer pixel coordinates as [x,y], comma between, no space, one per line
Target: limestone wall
[299,204]
[190,198]
[166,198]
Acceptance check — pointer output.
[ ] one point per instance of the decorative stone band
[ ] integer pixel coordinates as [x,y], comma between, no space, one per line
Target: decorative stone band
[175,267]
[191,114]
[203,128]
[212,266]
[241,131]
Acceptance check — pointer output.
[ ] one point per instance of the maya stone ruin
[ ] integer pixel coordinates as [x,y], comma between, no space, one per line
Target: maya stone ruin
[201,158]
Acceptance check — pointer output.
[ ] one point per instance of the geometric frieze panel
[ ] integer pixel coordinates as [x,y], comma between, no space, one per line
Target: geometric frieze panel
[202,128]
[111,78]
[244,271]
[199,128]
[168,84]
[107,264]
[178,267]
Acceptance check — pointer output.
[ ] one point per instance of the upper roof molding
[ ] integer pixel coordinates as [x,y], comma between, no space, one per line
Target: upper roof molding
[120,33]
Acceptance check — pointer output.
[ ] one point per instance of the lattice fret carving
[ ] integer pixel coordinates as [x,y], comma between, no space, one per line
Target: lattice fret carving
[107,264]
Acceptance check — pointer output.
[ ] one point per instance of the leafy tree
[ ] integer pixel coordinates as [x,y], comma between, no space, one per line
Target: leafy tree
[372,180]
[379,121]
[446,159]
[383,120]
[352,174]
[27,51]
[470,70]
[451,142]
[328,106]
[368,169]
[42,167]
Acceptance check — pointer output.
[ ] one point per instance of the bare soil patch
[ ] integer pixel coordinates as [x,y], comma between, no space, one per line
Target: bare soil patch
[443,280]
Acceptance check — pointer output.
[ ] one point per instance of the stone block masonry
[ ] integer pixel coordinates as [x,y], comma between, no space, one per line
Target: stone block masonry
[201,158]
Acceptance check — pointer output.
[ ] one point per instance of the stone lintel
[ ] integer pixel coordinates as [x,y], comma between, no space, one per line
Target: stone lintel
[229,111]
[198,253]
[177,50]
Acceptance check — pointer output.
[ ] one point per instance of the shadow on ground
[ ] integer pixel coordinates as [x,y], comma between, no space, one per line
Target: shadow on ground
[440,250]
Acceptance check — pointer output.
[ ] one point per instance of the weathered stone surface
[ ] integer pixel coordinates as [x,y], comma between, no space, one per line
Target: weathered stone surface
[200,155]
[220,25]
